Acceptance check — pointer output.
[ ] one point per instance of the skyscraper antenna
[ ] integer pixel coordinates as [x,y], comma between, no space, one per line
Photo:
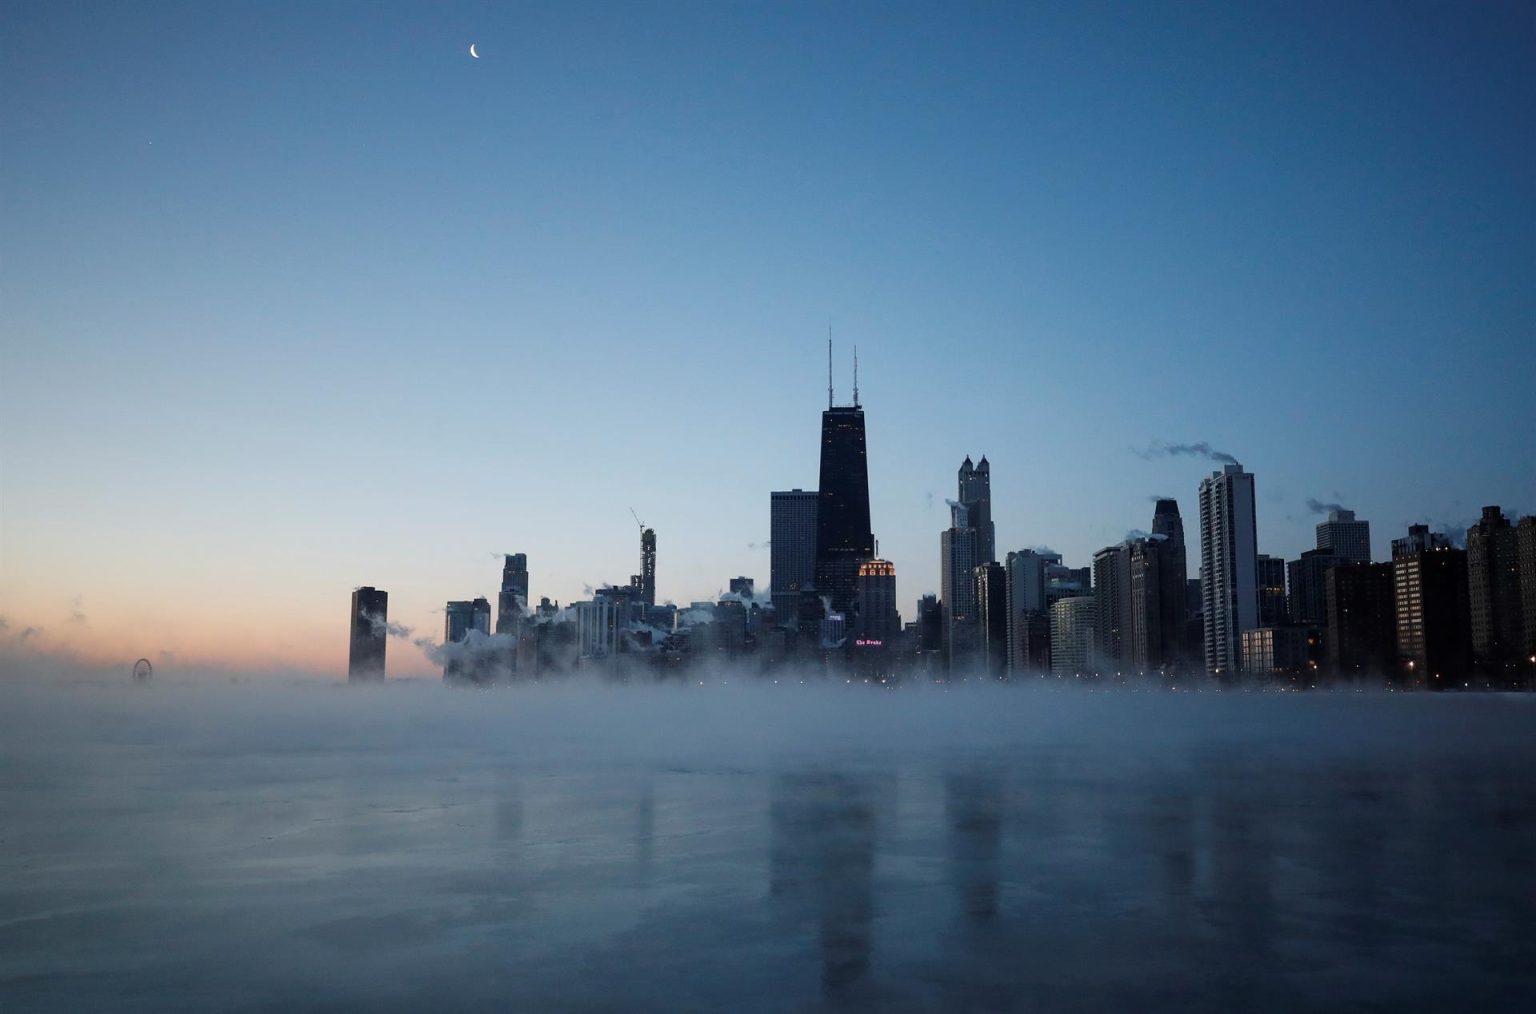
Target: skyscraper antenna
[855,376]
[829,364]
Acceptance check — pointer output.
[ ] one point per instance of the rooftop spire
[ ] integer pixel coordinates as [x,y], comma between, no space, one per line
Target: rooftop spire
[855,376]
[829,364]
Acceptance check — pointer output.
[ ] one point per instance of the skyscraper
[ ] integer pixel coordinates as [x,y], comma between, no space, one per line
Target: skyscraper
[957,566]
[1307,602]
[878,621]
[370,623]
[975,492]
[1173,594]
[1025,578]
[1362,619]
[1228,565]
[461,619]
[1112,605]
[1073,637]
[930,624]
[1493,580]
[992,617]
[648,565]
[792,550]
[1029,645]
[512,600]
[1343,536]
[1271,577]
[843,536]
[1525,551]
[1152,631]
[1429,583]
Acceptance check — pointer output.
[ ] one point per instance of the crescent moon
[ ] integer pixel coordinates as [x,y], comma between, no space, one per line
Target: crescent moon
[472,51]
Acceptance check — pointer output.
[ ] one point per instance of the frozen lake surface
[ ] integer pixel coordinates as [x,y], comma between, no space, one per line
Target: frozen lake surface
[769,848]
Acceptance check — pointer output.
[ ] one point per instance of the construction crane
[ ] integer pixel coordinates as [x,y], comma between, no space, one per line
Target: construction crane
[637,519]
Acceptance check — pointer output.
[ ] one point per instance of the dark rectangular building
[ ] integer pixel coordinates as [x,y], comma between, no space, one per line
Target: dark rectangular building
[1362,620]
[1429,578]
[370,626]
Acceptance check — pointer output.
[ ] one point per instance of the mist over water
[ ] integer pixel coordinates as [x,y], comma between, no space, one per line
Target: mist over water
[790,847]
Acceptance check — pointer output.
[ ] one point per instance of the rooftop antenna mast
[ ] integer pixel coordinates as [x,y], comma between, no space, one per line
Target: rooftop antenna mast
[855,376]
[829,365]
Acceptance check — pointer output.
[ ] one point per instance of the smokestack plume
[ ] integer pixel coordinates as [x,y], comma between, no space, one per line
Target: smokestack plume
[1162,449]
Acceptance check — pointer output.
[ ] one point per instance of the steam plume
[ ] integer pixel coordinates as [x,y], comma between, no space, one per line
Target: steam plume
[1162,449]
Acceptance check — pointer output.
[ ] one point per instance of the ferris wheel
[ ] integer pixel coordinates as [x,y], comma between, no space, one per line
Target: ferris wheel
[142,670]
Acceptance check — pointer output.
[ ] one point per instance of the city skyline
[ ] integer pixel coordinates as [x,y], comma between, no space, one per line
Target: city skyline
[459,309]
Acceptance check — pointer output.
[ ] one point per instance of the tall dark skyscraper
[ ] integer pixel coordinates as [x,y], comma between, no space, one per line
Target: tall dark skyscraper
[992,617]
[1173,576]
[1271,573]
[975,492]
[844,539]
[648,566]
[1307,602]
[1362,619]
[957,569]
[1493,576]
[1525,551]
[791,550]
[1429,579]
[370,616]
[513,597]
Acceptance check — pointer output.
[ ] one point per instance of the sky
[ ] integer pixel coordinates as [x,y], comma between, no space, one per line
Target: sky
[300,297]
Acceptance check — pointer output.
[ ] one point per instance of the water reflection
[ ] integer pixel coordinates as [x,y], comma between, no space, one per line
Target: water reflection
[973,804]
[822,862]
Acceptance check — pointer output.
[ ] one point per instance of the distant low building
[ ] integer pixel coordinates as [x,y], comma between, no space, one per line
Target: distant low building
[1275,651]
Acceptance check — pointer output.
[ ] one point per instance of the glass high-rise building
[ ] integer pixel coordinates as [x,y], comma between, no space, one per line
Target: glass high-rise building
[791,549]
[1229,555]
[1271,577]
[992,617]
[957,568]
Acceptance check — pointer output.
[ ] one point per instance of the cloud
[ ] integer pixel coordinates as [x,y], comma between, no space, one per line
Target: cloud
[476,649]
[1317,506]
[1132,534]
[77,612]
[1163,449]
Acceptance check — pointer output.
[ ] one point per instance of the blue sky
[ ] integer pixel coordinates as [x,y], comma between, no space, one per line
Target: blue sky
[296,297]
